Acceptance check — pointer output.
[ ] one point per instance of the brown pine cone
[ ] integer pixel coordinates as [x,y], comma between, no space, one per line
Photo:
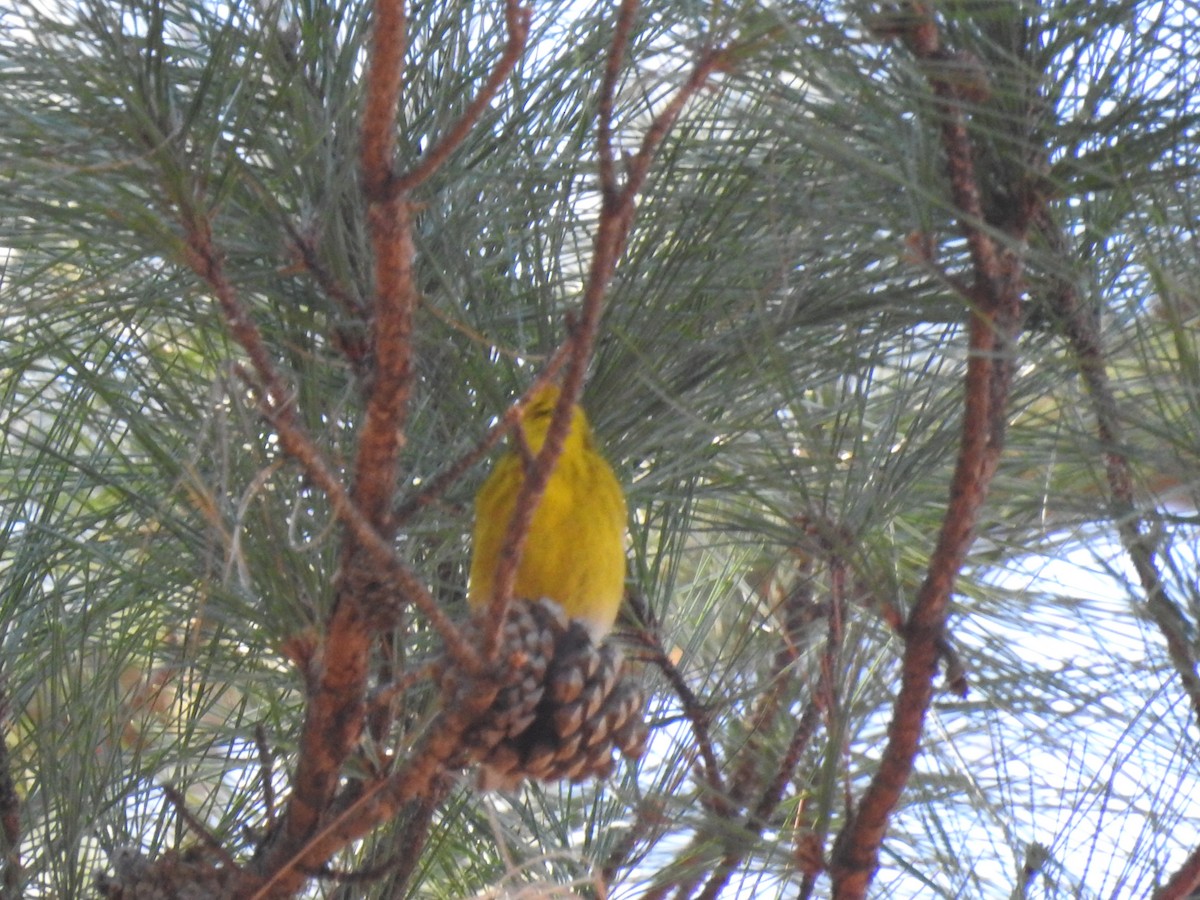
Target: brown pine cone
[565,712]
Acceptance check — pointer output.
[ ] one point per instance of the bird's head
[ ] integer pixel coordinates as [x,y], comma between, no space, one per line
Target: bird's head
[538,413]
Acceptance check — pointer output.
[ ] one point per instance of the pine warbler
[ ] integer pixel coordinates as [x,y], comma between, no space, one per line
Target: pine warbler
[575,551]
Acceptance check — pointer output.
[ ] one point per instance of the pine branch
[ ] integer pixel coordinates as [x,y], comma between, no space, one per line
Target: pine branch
[994,317]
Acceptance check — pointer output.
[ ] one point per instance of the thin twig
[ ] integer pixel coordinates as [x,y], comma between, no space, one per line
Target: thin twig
[10,805]
[352,345]
[206,261]
[432,490]
[826,700]
[697,715]
[339,293]
[614,62]
[1084,339]
[437,486]
[176,799]
[711,61]
[797,610]
[822,704]
[647,816]
[533,485]
[618,208]
[389,691]
[266,760]
[517,20]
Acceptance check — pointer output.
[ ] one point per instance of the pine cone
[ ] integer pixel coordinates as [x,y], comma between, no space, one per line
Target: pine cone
[191,874]
[564,708]
[526,652]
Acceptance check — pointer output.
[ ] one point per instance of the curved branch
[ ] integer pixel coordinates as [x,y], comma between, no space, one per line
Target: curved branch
[517,20]
[994,318]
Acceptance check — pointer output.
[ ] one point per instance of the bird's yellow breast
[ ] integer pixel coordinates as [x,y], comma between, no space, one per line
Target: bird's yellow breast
[575,551]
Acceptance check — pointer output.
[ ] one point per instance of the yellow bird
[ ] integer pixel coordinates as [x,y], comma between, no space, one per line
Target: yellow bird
[575,551]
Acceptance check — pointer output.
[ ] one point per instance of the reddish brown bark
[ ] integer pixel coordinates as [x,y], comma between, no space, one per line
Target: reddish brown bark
[994,299]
